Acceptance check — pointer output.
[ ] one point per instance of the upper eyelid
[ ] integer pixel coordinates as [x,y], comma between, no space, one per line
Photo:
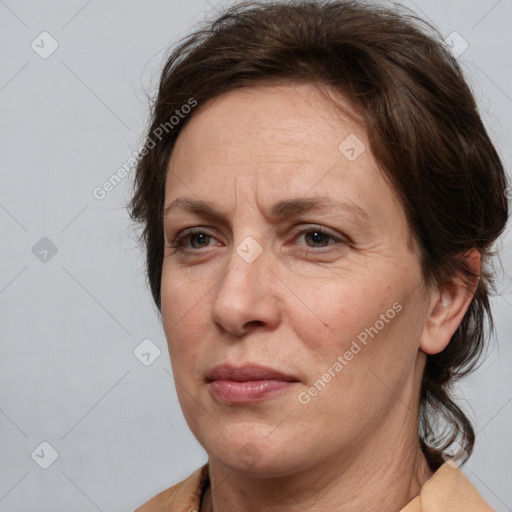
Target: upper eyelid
[301,228]
[313,227]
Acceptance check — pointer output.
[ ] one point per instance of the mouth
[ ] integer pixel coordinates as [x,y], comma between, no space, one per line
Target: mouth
[247,383]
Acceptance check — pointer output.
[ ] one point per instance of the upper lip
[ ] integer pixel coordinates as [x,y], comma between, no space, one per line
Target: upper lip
[247,372]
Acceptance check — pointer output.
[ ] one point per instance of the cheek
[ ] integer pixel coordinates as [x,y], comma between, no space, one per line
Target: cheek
[184,342]
[368,339]
[182,298]
[334,312]
[183,317]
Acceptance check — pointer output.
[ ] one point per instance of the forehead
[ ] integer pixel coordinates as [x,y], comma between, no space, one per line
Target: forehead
[288,119]
[279,131]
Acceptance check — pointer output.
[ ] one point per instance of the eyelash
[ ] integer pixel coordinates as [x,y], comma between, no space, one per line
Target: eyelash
[178,246]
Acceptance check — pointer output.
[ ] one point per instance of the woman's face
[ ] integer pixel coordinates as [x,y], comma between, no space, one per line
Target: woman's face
[300,281]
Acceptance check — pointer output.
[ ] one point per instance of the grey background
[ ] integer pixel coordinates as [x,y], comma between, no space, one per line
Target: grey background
[70,321]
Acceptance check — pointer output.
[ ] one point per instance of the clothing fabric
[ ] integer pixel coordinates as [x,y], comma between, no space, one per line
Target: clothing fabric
[448,490]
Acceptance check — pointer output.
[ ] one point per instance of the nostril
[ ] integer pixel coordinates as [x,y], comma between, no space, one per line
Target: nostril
[255,322]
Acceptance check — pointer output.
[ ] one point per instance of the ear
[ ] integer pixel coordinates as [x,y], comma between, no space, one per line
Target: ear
[448,306]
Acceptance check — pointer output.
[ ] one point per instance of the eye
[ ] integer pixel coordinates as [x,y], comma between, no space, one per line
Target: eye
[318,238]
[198,239]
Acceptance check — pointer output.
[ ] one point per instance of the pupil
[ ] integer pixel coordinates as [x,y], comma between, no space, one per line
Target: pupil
[317,236]
[197,236]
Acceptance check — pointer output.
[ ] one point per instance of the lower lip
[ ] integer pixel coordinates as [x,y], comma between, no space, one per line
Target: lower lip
[235,392]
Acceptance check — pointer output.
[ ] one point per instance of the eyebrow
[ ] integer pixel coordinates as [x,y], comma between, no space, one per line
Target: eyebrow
[283,208]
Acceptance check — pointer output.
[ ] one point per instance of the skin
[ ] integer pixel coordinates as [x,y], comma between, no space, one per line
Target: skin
[298,306]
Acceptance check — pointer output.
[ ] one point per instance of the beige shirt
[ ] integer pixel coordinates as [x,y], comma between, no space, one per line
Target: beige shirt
[447,491]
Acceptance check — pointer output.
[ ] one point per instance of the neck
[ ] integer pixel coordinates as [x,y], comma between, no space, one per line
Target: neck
[382,477]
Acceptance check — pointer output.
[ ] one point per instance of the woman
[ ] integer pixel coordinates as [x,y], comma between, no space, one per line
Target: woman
[319,197]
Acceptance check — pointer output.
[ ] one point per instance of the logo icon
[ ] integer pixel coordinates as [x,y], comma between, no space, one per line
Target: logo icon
[249,249]
[44,250]
[456,44]
[147,352]
[457,457]
[44,45]
[249,454]
[44,455]
[352,147]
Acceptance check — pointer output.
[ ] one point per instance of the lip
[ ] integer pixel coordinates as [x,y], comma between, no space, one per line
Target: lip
[247,372]
[248,383]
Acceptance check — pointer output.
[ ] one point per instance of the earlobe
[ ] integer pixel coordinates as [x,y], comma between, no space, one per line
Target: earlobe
[448,307]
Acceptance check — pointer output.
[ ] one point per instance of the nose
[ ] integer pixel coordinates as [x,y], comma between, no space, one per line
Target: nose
[246,295]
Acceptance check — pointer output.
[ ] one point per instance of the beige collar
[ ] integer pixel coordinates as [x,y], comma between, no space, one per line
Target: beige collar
[448,490]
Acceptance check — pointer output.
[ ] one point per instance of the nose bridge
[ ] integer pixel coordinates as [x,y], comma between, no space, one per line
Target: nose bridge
[245,293]
[246,270]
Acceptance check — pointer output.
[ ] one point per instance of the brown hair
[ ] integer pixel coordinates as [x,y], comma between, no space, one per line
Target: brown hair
[424,130]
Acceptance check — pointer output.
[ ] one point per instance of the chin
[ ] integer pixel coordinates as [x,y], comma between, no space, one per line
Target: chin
[256,453]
